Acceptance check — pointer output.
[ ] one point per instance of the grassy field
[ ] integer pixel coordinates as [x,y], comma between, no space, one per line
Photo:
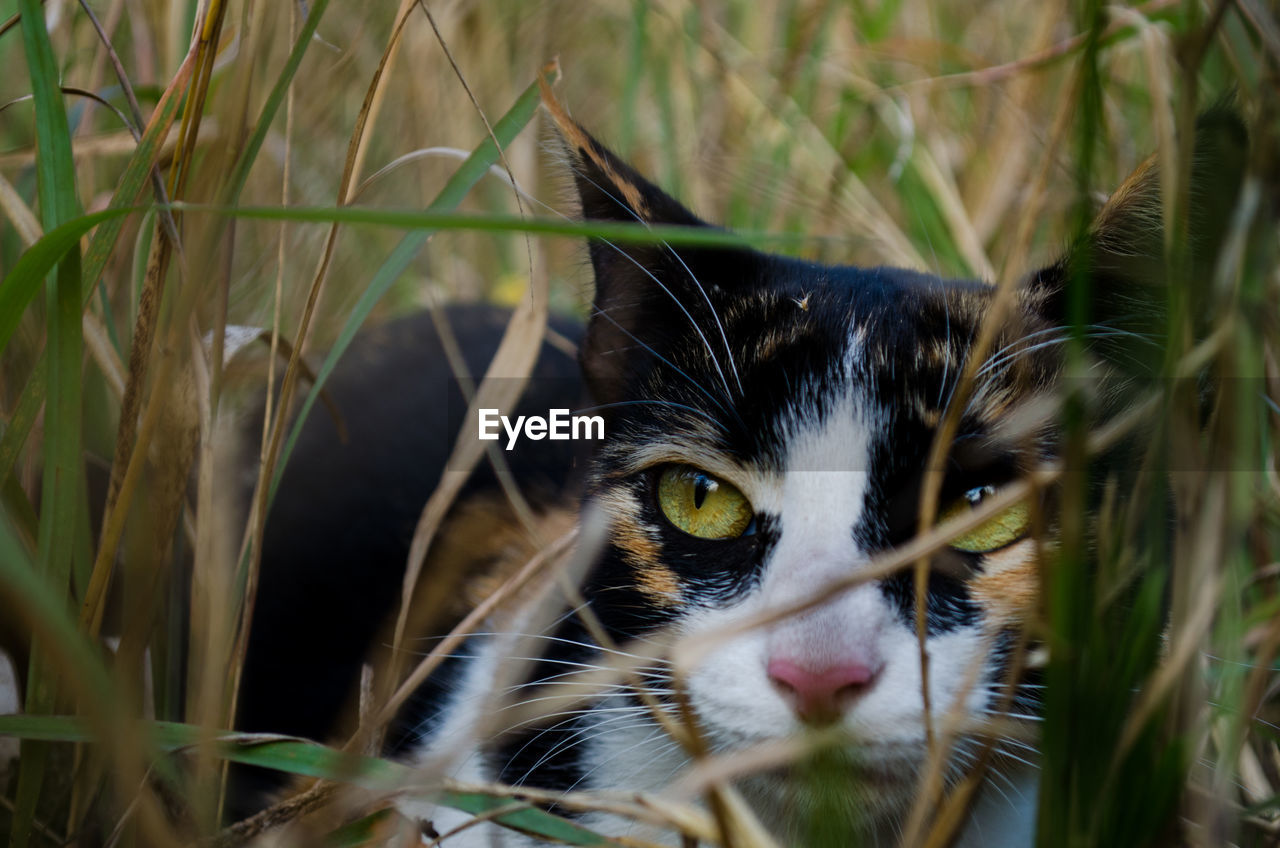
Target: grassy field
[958,137]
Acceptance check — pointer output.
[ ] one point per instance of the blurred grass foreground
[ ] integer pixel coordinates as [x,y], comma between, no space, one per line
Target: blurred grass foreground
[169,170]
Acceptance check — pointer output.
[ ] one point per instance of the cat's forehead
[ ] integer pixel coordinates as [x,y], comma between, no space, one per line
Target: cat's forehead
[880,327]
[803,346]
[885,311]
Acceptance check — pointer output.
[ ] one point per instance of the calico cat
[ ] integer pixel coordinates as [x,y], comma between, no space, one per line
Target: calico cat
[768,423]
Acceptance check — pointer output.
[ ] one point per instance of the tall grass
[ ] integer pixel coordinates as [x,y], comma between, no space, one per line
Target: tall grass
[959,137]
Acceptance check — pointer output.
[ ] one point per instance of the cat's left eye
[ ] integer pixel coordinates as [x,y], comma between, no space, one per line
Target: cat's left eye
[703,505]
[1002,529]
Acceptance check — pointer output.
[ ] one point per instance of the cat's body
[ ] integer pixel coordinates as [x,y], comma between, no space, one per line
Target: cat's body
[768,427]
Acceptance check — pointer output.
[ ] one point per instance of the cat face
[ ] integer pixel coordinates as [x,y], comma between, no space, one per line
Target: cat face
[773,441]
[819,460]
[770,423]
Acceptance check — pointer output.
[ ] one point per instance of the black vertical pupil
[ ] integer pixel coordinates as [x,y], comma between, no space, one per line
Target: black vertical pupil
[702,486]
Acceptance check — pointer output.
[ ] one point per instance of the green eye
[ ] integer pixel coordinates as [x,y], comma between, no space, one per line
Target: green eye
[1003,528]
[702,505]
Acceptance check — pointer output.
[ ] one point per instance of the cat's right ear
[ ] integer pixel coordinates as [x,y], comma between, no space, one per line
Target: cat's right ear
[1123,253]
[647,296]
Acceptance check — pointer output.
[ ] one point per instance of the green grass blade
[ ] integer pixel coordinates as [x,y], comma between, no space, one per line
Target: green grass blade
[362,831]
[310,760]
[56,187]
[45,611]
[54,166]
[269,109]
[529,820]
[433,219]
[24,278]
[30,402]
[18,508]
[16,291]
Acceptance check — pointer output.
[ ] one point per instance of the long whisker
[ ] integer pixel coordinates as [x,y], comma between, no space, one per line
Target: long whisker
[593,685]
[946,362]
[1012,351]
[720,326]
[575,669]
[589,645]
[576,733]
[568,717]
[647,739]
[584,736]
[602,313]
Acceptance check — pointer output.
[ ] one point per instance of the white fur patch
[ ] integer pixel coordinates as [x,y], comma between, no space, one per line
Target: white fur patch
[818,501]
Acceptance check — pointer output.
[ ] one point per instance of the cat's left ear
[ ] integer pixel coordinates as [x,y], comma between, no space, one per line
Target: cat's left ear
[1123,253]
[648,297]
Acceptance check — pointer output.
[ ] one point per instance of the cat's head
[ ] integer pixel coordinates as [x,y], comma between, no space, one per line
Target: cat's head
[769,423]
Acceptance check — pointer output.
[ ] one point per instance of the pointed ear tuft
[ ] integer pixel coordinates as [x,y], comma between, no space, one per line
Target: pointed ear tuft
[1128,234]
[609,188]
[1123,253]
[639,287]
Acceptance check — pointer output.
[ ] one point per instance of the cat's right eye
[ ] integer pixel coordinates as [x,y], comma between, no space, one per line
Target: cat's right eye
[703,505]
[1000,530]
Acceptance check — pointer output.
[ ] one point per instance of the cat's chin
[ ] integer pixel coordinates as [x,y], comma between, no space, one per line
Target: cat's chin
[864,790]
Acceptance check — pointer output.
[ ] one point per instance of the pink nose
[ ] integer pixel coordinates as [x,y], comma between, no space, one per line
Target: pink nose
[819,695]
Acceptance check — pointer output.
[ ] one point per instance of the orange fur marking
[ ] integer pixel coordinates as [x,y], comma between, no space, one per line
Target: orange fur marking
[660,584]
[580,141]
[644,554]
[641,551]
[1139,189]
[482,544]
[1009,586]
